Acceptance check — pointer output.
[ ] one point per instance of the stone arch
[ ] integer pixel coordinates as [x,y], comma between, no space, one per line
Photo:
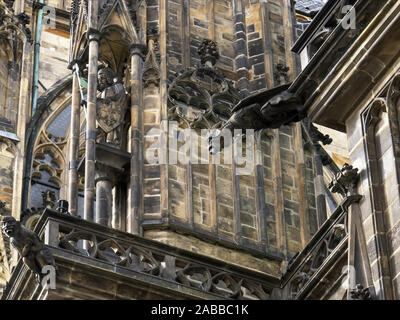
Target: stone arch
[50,104]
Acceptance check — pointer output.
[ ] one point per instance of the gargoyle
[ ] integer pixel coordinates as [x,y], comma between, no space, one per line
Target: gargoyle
[344,181]
[268,109]
[34,253]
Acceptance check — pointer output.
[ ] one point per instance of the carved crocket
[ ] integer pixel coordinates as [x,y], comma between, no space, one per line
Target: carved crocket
[34,253]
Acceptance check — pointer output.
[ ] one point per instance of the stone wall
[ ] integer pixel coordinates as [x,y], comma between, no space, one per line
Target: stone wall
[254,39]
[53,65]
[372,148]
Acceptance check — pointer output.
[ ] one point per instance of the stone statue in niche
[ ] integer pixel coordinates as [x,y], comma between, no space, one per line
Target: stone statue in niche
[111,108]
[34,253]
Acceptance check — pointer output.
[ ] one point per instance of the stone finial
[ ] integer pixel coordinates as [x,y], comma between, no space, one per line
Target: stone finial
[281,74]
[360,293]
[62,206]
[75,4]
[208,52]
[49,199]
[344,180]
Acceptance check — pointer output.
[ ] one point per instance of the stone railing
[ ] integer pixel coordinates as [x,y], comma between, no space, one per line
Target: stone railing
[76,238]
[325,248]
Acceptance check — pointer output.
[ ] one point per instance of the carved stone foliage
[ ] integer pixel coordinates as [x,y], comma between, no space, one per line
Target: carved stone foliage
[314,137]
[318,256]
[34,253]
[48,166]
[344,181]
[49,199]
[75,4]
[162,265]
[360,293]
[281,74]
[317,135]
[201,96]
[9,22]
[208,52]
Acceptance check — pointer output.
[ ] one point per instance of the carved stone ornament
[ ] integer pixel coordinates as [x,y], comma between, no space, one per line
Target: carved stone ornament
[208,52]
[360,293]
[317,135]
[201,96]
[111,106]
[49,199]
[2,206]
[312,262]
[161,265]
[344,180]
[34,253]
[9,3]
[8,20]
[314,136]
[281,74]
[151,70]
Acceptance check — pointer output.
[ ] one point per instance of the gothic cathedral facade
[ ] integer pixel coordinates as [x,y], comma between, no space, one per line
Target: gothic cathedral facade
[200,149]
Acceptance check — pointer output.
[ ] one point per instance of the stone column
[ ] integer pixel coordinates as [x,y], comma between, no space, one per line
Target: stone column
[359,279]
[93,38]
[136,137]
[319,188]
[74,147]
[241,61]
[111,169]
[117,208]
[104,197]
[12,100]
[260,194]
[24,102]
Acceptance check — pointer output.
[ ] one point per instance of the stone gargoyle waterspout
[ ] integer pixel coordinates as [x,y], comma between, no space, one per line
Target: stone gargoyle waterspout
[34,253]
[268,109]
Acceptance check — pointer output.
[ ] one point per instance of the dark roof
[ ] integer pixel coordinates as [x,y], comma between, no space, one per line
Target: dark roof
[309,7]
